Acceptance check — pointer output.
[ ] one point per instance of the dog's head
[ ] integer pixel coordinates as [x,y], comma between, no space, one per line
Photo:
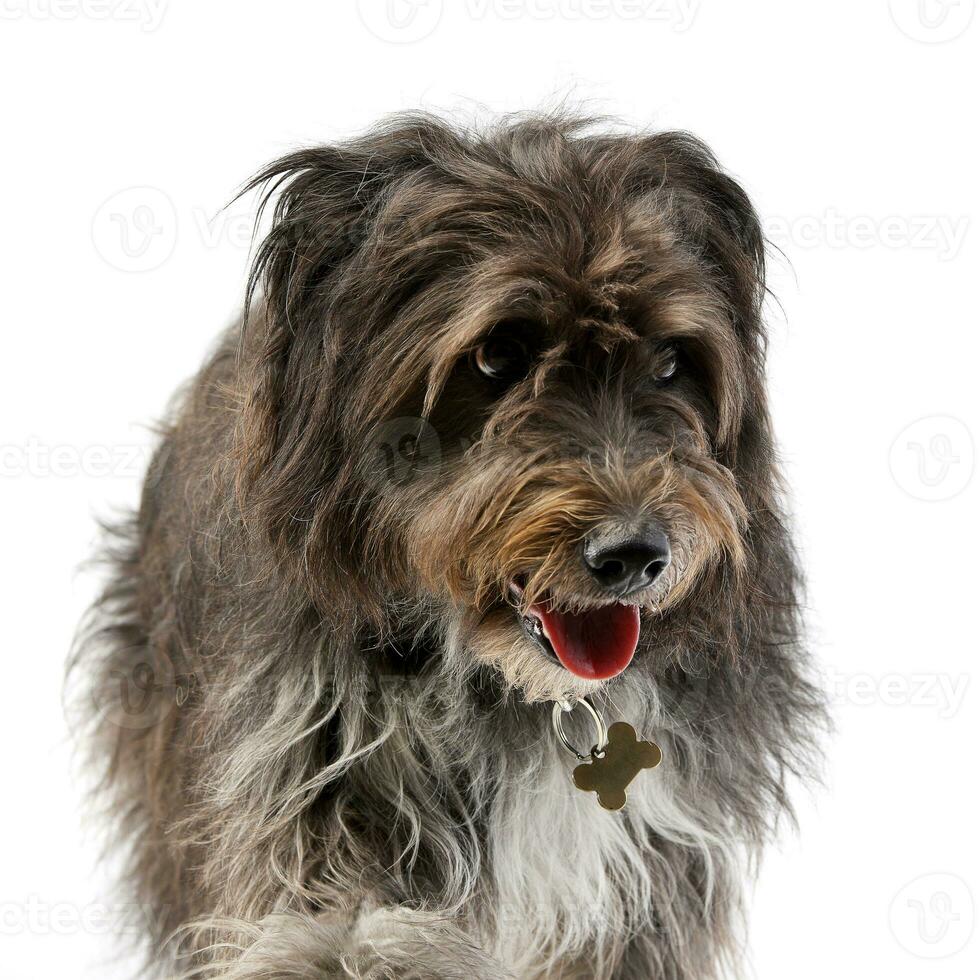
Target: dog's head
[512,382]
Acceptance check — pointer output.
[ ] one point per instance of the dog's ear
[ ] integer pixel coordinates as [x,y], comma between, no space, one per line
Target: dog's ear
[715,218]
[308,313]
[323,202]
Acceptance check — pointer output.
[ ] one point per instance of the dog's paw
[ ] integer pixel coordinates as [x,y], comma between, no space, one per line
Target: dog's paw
[385,944]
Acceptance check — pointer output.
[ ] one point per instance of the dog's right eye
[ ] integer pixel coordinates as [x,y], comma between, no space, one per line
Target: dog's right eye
[502,359]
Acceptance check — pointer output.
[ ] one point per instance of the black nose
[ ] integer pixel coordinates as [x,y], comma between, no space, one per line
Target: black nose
[627,562]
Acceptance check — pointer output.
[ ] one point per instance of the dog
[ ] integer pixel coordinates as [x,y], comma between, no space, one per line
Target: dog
[492,436]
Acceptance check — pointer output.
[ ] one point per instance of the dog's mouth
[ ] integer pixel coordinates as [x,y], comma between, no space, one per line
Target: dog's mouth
[594,644]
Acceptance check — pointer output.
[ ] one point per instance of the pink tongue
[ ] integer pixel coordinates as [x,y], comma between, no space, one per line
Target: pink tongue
[597,644]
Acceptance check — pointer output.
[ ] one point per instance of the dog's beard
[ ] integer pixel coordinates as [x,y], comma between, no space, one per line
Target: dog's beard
[516,637]
[517,594]
[496,640]
[524,655]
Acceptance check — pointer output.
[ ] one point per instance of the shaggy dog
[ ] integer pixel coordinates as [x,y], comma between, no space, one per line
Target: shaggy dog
[497,404]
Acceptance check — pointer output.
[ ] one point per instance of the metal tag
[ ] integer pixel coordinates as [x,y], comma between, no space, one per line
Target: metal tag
[613,768]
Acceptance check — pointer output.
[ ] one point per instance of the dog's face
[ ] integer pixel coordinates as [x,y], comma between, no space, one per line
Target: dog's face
[504,385]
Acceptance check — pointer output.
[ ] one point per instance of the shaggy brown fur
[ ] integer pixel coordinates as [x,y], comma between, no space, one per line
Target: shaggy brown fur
[324,736]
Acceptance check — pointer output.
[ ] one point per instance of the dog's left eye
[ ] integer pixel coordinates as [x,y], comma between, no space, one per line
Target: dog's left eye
[502,359]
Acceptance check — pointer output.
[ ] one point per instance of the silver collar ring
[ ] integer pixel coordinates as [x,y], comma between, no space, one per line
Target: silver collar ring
[564,707]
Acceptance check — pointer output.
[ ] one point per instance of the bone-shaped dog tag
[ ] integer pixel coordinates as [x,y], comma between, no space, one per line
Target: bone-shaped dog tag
[610,771]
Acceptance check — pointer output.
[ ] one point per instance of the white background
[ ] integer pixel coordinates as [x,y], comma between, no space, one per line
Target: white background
[853,126]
